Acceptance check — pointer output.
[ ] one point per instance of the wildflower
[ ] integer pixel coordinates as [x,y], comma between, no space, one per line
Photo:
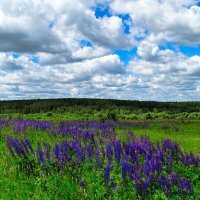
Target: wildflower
[140,187]
[173,178]
[108,152]
[89,151]
[114,187]
[185,187]
[47,151]
[107,172]
[29,145]
[164,183]
[81,183]
[124,169]
[56,151]
[147,168]
[40,154]
[117,149]
[97,157]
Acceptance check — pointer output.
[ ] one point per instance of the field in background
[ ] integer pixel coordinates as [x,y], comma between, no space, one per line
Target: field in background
[185,133]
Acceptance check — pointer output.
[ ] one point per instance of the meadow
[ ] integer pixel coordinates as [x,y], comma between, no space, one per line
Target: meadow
[58,159]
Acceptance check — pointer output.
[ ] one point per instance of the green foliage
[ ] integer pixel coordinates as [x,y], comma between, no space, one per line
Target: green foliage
[91,106]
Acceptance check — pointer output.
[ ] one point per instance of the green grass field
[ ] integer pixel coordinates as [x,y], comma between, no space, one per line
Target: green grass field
[15,184]
[187,135]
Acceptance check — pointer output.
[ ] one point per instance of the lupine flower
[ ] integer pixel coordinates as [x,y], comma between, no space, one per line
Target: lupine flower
[169,164]
[47,151]
[107,172]
[97,157]
[147,182]
[147,168]
[40,154]
[78,151]
[29,145]
[9,145]
[190,187]
[23,145]
[173,178]
[82,183]
[117,149]
[124,169]
[185,187]
[18,149]
[89,151]
[140,187]
[165,185]
[109,152]
[56,151]
[114,187]
[82,157]
[130,170]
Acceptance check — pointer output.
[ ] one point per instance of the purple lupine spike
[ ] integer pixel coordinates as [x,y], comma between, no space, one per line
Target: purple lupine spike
[10,146]
[65,146]
[147,182]
[56,151]
[173,178]
[97,157]
[147,168]
[185,187]
[117,151]
[29,145]
[140,187]
[40,154]
[154,164]
[189,187]
[130,170]
[169,164]
[182,158]
[125,147]
[165,185]
[79,152]
[101,141]
[18,149]
[159,166]
[107,172]
[24,146]
[82,156]
[109,152]
[114,187]
[82,183]
[47,151]
[181,186]
[124,169]
[89,151]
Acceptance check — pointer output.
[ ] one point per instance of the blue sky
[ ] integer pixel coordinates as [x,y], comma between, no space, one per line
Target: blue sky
[100,49]
[190,51]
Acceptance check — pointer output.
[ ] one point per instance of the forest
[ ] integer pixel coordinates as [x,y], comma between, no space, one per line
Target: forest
[100,109]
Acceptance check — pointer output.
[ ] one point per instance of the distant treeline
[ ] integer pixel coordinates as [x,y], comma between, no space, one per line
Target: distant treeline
[74,104]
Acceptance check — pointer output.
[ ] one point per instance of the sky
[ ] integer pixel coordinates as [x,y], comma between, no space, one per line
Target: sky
[114,49]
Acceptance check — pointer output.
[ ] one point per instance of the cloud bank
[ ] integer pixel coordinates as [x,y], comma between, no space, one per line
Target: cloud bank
[52,49]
